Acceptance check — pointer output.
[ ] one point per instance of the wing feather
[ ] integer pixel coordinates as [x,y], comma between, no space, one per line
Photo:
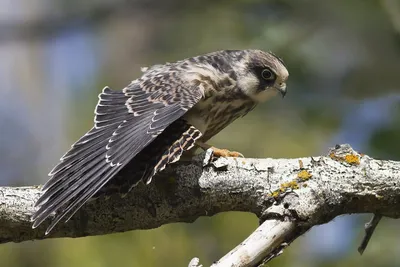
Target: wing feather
[89,188]
[77,153]
[126,122]
[154,157]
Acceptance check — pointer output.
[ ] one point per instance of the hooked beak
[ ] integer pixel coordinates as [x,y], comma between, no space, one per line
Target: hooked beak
[282,89]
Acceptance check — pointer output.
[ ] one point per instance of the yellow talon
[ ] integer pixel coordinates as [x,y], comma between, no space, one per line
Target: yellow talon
[218,152]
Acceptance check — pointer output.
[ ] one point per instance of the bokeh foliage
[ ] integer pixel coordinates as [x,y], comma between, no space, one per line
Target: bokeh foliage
[344,63]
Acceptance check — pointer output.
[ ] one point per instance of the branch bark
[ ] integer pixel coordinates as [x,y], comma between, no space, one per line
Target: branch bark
[288,195]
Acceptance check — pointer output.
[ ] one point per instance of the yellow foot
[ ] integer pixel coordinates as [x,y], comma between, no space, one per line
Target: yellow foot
[218,152]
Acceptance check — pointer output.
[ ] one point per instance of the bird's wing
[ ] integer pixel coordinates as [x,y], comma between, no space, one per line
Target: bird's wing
[125,123]
[167,148]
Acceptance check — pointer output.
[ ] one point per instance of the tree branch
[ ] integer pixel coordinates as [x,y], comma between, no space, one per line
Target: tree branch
[288,195]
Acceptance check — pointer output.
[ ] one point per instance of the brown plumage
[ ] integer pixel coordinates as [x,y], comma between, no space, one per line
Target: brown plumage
[156,118]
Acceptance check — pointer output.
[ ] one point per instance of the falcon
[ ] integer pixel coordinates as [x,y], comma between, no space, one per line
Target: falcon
[169,110]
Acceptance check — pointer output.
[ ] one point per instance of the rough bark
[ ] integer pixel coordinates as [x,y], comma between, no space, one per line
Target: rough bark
[288,195]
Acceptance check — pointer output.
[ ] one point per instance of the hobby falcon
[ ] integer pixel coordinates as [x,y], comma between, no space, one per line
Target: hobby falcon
[170,109]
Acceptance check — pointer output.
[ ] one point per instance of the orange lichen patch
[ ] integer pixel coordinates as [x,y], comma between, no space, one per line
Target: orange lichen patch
[275,194]
[352,159]
[285,186]
[304,175]
[291,184]
[333,156]
[295,185]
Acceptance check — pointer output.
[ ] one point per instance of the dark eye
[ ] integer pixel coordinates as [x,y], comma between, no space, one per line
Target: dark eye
[267,74]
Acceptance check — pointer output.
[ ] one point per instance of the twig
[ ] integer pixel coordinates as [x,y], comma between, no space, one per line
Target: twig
[195,262]
[369,230]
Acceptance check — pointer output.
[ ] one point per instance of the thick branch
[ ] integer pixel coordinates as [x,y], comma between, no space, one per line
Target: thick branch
[180,194]
[299,193]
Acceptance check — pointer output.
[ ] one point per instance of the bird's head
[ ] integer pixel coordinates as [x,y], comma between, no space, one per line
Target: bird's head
[260,75]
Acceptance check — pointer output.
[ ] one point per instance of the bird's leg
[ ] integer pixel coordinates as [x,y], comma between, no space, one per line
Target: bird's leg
[218,152]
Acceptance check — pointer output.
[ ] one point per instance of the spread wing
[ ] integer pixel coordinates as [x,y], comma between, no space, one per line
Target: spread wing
[167,148]
[125,123]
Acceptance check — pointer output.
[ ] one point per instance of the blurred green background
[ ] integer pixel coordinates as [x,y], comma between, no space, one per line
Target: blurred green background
[344,63]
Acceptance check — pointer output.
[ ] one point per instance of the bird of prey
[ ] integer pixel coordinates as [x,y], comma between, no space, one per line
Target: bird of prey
[169,110]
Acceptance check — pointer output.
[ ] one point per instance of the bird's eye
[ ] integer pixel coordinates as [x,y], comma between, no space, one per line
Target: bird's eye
[267,75]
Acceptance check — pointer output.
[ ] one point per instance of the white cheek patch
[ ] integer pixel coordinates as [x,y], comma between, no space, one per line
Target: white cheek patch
[249,85]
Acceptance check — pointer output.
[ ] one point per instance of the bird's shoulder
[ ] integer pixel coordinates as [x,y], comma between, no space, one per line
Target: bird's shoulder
[201,75]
